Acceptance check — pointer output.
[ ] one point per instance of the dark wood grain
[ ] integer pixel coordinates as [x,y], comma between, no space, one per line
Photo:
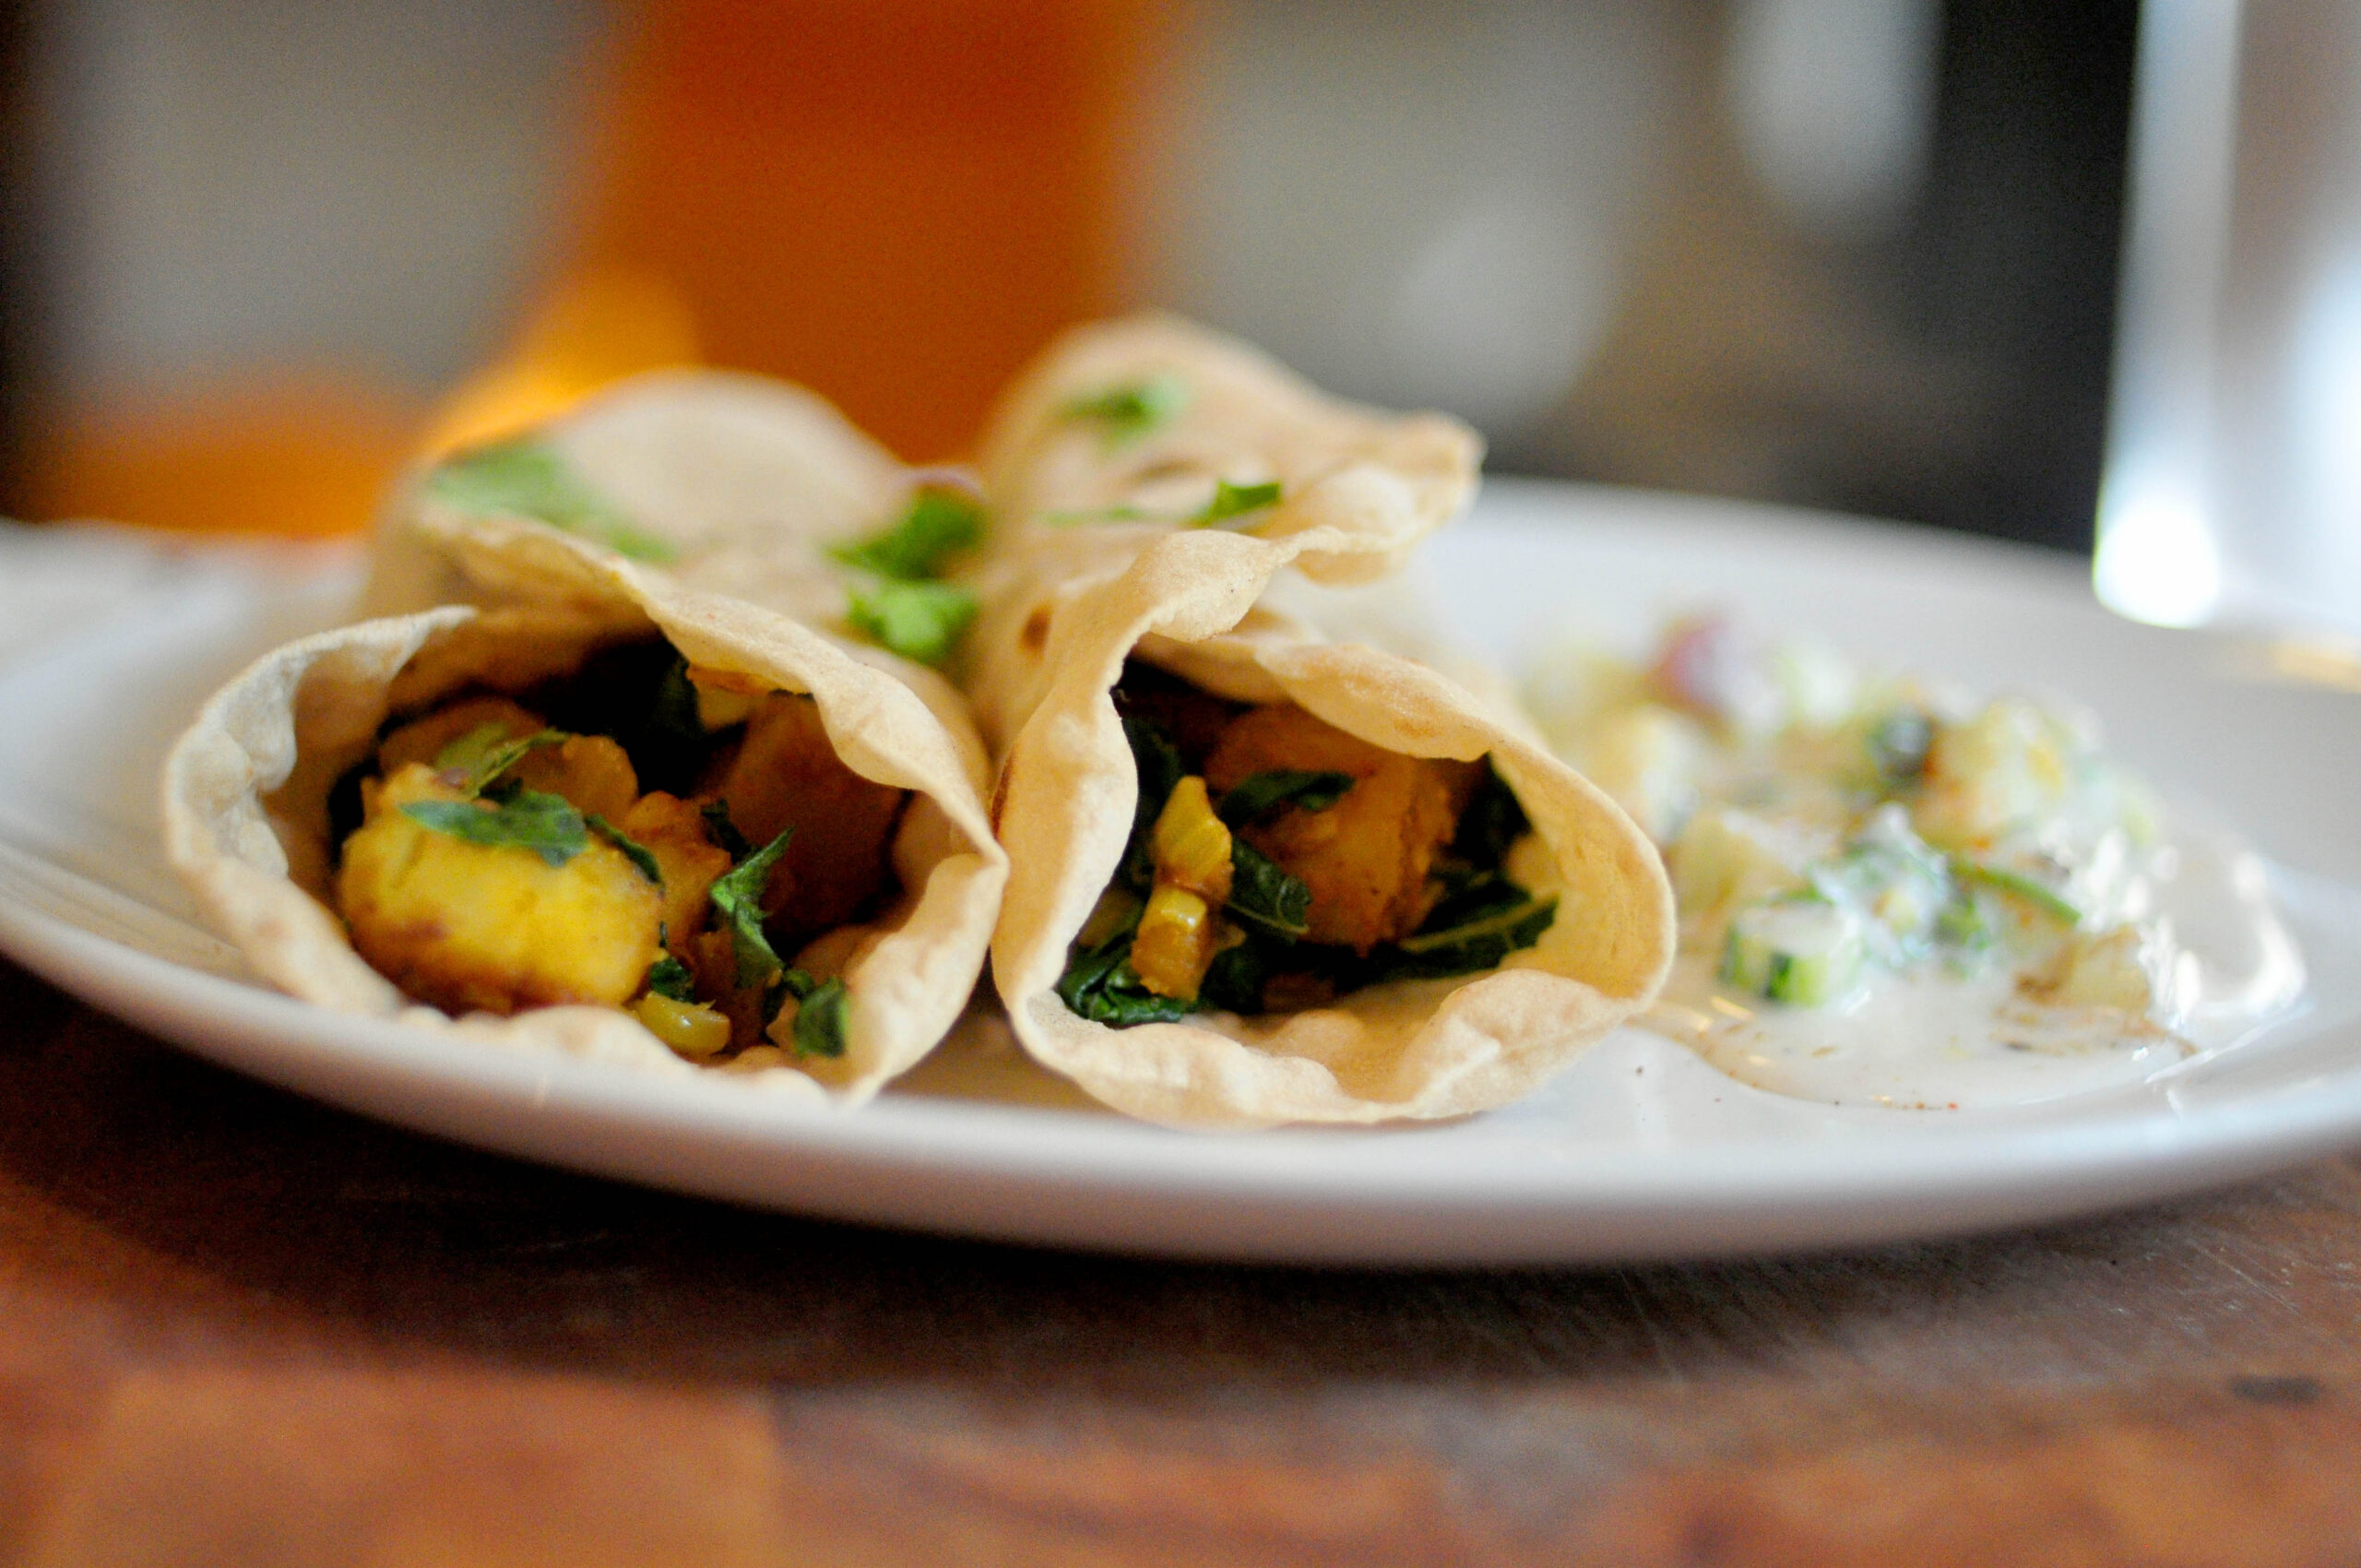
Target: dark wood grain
[239,1327]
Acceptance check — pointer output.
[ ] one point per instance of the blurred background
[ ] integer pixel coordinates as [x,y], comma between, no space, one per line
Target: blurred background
[255,255]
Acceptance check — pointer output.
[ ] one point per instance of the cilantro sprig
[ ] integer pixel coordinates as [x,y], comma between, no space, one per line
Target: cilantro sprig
[498,816]
[1130,412]
[1232,501]
[479,757]
[821,1015]
[547,824]
[528,479]
[738,899]
[638,854]
[906,608]
[1235,507]
[937,525]
[919,621]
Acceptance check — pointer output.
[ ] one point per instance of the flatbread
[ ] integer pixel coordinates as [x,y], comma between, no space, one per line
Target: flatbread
[1404,1050]
[1364,486]
[246,821]
[734,483]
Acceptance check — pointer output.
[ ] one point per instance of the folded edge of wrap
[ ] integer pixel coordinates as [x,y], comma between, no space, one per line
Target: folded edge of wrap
[1362,485]
[1402,1050]
[740,481]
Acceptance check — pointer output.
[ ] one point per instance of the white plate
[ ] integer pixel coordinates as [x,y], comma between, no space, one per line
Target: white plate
[1637,1151]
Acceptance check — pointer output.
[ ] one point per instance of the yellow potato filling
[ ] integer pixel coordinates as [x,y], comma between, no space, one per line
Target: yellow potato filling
[491,928]
[1366,857]
[612,902]
[1284,855]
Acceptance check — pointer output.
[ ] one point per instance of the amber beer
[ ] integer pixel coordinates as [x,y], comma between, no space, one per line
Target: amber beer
[893,201]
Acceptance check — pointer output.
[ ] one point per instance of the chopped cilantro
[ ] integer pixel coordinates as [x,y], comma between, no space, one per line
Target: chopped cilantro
[937,525]
[738,899]
[785,983]
[820,1019]
[547,824]
[919,621]
[1115,514]
[1126,413]
[484,753]
[724,833]
[634,851]
[528,479]
[1234,501]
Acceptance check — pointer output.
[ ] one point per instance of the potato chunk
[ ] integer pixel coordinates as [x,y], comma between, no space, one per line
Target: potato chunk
[674,832]
[786,774]
[477,927]
[591,771]
[2009,764]
[1366,857]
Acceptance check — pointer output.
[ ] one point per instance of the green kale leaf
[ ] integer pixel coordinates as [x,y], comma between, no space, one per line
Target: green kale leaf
[1257,795]
[1438,952]
[1101,985]
[1157,763]
[1264,896]
[1235,979]
[1493,821]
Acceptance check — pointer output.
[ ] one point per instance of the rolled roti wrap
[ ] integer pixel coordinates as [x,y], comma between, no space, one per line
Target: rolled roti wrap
[248,813]
[729,482]
[1128,429]
[1130,432]
[1067,809]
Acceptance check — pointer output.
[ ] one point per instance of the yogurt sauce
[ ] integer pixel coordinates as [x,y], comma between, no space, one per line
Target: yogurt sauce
[2076,867]
[1925,1039]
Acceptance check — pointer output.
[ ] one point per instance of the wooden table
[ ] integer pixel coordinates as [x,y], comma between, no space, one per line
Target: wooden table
[236,1327]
